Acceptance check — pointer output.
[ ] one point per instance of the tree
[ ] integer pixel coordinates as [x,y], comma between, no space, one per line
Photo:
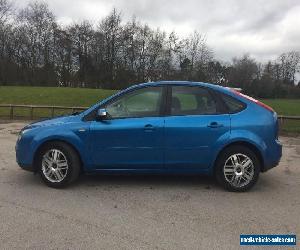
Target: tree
[64,58]
[243,72]
[6,10]
[111,29]
[36,50]
[37,23]
[82,36]
[289,66]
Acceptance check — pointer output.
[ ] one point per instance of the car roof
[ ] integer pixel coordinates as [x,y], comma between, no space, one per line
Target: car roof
[163,83]
[187,83]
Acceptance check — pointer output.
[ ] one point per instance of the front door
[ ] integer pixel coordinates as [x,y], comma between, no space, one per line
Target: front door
[132,135]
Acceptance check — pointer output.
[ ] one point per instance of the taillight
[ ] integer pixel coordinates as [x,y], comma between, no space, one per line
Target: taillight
[265,106]
[254,100]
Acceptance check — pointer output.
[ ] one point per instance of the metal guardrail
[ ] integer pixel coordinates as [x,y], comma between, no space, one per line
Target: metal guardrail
[288,117]
[283,118]
[52,109]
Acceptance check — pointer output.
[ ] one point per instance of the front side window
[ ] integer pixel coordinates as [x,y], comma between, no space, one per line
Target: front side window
[188,100]
[139,103]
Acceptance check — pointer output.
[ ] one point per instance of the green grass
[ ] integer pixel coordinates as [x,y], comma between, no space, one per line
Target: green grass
[284,106]
[290,127]
[52,96]
[59,96]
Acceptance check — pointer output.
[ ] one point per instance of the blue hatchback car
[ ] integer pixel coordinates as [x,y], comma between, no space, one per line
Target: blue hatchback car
[161,127]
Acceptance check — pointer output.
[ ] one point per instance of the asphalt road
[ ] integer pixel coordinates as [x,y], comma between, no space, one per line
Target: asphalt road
[143,212]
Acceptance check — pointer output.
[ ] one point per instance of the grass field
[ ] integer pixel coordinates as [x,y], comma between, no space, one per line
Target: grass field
[86,97]
[284,106]
[52,96]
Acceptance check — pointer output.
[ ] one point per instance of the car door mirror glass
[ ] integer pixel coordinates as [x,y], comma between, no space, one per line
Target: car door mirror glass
[101,114]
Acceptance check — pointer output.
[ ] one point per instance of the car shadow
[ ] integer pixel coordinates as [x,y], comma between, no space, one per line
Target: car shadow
[134,180]
[143,181]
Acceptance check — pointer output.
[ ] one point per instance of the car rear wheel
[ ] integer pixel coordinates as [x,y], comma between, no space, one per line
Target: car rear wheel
[59,164]
[237,168]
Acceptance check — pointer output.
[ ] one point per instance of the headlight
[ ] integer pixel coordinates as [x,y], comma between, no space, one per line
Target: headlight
[27,129]
[22,132]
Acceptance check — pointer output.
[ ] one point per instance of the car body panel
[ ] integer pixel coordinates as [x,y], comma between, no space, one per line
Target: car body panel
[178,144]
[69,129]
[127,143]
[189,139]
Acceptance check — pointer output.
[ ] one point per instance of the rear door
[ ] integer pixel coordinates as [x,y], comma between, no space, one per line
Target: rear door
[194,127]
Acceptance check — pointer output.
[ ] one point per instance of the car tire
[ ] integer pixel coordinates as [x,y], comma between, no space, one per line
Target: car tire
[59,164]
[237,168]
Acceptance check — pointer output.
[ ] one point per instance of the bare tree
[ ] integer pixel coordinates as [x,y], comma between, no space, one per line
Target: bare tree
[194,54]
[111,29]
[243,71]
[6,33]
[38,23]
[289,66]
[36,50]
[82,35]
[64,65]
[6,10]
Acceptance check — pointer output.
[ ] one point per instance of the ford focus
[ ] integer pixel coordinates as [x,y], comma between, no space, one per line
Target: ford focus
[158,128]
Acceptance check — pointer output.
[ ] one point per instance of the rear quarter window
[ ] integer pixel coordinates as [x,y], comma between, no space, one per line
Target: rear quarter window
[233,105]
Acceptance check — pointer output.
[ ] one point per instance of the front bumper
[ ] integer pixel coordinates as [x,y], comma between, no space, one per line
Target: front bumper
[29,168]
[23,155]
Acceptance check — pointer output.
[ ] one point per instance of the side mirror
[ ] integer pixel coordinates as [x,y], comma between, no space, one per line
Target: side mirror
[101,114]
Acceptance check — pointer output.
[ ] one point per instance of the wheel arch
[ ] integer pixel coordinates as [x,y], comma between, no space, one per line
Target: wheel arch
[45,143]
[247,144]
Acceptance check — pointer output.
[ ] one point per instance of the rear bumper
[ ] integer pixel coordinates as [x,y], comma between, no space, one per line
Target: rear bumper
[268,167]
[273,156]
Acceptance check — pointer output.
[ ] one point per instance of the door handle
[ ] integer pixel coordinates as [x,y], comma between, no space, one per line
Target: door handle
[215,125]
[148,128]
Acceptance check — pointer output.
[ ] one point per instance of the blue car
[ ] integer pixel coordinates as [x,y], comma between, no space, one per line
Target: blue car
[158,128]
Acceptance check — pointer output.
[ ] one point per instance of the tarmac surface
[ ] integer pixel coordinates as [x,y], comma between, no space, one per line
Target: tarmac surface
[143,212]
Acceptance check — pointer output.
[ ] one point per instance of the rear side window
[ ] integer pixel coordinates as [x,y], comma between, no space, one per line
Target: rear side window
[232,104]
[192,101]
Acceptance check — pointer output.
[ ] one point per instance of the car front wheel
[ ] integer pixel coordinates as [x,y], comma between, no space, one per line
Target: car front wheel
[237,168]
[59,164]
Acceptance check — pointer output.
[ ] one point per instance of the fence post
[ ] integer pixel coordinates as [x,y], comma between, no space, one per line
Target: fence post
[31,113]
[52,112]
[11,112]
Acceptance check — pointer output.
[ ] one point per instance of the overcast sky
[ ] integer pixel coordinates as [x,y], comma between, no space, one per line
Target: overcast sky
[263,28]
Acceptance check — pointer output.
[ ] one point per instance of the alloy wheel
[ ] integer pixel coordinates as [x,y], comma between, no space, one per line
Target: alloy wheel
[238,170]
[54,165]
